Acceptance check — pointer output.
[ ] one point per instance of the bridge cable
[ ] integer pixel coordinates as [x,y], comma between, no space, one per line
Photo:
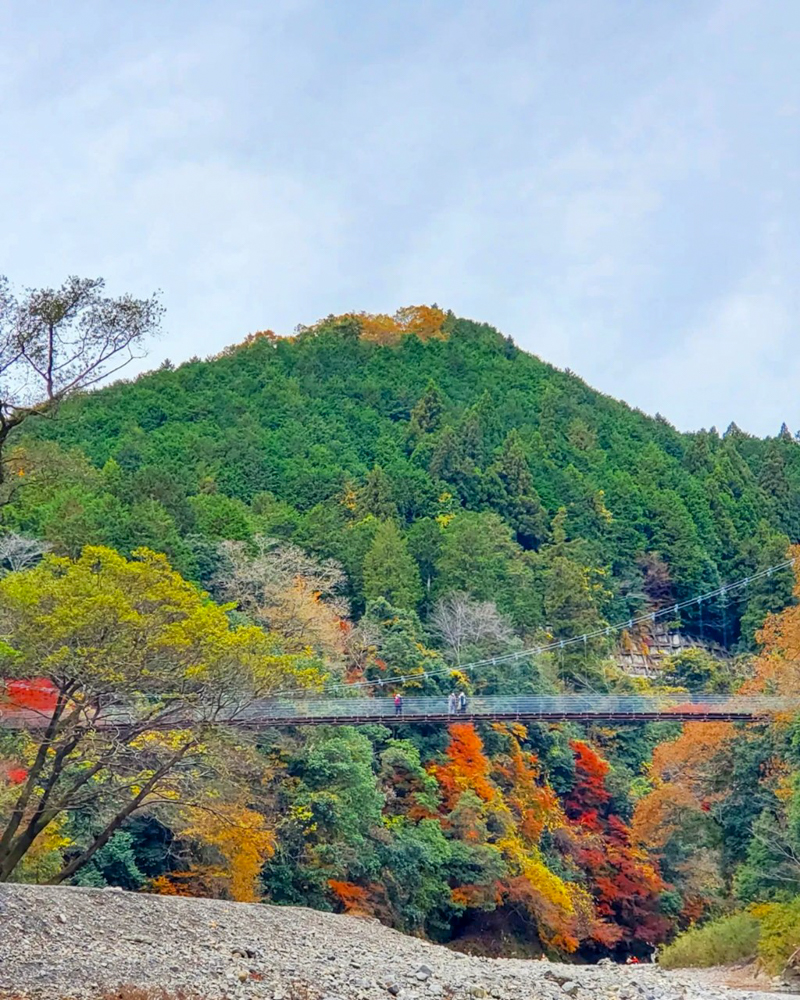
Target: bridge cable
[557,644]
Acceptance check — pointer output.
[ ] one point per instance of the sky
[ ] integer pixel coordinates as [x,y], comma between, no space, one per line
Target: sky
[614,183]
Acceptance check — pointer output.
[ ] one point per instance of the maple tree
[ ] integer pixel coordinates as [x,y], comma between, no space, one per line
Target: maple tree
[623,881]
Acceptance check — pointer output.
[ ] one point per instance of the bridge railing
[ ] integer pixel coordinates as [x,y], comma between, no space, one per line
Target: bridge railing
[355,711]
[546,706]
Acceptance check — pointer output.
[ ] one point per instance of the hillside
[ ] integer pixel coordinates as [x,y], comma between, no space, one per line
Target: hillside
[319,437]
[383,501]
[81,943]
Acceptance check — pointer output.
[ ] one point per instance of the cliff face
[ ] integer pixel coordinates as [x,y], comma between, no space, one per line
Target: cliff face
[642,651]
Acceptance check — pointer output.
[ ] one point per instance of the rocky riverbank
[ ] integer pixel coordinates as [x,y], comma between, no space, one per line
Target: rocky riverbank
[71,944]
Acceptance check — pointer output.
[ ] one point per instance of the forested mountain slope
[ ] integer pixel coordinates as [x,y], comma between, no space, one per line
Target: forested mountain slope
[382,501]
[419,421]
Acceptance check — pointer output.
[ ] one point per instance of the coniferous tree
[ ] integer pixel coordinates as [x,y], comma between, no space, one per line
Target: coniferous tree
[390,571]
[426,416]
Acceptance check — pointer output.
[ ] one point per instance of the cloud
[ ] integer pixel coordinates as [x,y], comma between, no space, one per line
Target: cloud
[614,186]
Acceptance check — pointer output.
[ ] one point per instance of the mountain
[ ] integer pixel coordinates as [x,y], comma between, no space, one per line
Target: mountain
[423,420]
[388,499]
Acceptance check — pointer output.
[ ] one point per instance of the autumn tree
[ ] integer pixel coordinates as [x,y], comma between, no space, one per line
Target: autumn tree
[459,621]
[232,842]
[625,884]
[674,819]
[778,666]
[145,672]
[56,342]
[287,591]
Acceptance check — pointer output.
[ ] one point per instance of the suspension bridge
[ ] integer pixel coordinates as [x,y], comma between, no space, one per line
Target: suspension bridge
[586,708]
[500,708]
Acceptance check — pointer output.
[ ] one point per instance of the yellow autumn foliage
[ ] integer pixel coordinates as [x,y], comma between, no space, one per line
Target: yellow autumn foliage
[239,837]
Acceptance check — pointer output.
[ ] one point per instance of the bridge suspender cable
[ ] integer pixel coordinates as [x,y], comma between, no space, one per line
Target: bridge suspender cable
[519,654]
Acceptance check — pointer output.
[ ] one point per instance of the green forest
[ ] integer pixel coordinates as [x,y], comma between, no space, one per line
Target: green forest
[385,497]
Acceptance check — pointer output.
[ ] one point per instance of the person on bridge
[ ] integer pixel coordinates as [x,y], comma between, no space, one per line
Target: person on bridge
[452,702]
[462,702]
[398,704]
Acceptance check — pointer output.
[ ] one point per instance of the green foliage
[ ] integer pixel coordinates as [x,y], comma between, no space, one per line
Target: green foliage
[114,864]
[389,569]
[398,424]
[721,942]
[430,466]
[697,670]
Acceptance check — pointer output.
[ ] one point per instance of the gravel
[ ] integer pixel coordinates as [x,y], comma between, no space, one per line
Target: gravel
[61,943]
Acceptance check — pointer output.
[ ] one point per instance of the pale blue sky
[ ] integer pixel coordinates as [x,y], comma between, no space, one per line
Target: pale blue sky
[612,182]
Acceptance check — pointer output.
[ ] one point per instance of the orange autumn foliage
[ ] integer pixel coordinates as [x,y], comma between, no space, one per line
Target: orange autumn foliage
[467,766]
[240,839]
[777,669]
[660,814]
[533,804]
[425,322]
[687,758]
[352,897]
[199,882]
[506,808]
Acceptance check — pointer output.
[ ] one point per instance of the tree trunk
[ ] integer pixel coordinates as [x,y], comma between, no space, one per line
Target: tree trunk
[100,841]
[37,767]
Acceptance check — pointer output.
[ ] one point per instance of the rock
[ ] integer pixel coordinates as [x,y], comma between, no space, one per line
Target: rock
[215,949]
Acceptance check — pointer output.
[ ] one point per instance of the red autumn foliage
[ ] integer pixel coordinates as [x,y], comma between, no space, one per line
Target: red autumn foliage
[624,883]
[37,694]
[589,797]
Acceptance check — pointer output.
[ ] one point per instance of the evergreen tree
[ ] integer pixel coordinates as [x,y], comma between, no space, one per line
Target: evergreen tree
[390,571]
[426,416]
[375,496]
[510,489]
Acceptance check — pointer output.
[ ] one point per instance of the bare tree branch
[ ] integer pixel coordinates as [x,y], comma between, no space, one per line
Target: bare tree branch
[55,342]
[458,620]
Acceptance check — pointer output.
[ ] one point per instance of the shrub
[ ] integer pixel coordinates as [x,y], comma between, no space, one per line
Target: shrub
[780,933]
[721,942]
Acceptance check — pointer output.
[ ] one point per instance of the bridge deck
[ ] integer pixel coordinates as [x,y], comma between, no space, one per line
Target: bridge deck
[500,708]
[448,719]
[434,710]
